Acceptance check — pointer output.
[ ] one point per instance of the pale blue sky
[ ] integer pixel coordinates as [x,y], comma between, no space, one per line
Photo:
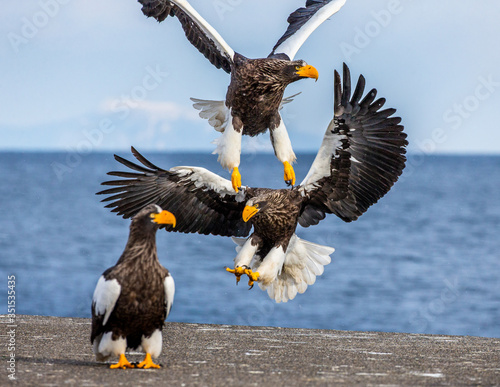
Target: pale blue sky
[98,75]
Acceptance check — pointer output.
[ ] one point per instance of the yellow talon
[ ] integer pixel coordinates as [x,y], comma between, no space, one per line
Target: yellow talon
[254,276]
[122,363]
[236,179]
[237,271]
[289,173]
[148,363]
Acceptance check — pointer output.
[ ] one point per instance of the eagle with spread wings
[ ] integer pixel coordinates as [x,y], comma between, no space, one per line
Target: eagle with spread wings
[361,156]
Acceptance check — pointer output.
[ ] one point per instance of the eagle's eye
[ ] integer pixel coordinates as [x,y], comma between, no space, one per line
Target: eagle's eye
[256,205]
[297,68]
[152,215]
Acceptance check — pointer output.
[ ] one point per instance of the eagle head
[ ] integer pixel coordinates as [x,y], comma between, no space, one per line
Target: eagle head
[299,69]
[253,207]
[152,216]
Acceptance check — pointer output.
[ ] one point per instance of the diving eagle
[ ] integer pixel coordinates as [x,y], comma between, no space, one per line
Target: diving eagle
[133,298]
[360,158]
[255,92]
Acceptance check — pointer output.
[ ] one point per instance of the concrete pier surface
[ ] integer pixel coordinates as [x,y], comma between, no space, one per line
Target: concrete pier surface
[53,351]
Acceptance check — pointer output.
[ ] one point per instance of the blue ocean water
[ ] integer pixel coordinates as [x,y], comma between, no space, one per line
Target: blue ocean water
[425,259]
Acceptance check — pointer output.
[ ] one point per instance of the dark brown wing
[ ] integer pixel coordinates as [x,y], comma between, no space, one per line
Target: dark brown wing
[198,31]
[201,201]
[360,159]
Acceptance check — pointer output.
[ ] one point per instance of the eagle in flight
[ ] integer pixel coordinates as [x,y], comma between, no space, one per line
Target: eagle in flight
[255,93]
[361,156]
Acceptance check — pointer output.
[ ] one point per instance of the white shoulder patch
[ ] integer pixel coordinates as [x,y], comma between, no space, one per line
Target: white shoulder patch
[321,165]
[169,285]
[203,178]
[105,296]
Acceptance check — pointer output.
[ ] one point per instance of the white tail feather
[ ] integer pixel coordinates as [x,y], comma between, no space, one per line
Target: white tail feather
[304,261]
[215,112]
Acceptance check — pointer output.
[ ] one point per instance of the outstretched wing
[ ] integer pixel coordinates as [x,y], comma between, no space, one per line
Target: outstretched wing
[201,201]
[360,158]
[201,34]
[302,23]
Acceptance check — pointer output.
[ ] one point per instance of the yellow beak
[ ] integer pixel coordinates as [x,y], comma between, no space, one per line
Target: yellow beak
[308,72]
[164,217]
[248,212]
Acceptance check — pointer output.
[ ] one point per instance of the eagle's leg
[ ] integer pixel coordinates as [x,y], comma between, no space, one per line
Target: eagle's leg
[152,346]
[123,363]
[237,271]
[253,276]
[283,150]
[229,150]
[289,174]
[271,265]
[236,179]
[148,363]
[243,260]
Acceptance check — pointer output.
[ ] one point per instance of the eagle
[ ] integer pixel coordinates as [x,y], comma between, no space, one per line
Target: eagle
[255,93]
[133,298]
[361,156]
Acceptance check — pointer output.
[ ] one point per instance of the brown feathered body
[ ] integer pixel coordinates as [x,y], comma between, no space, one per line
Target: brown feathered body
[277,220]
[256,91]
[140,308]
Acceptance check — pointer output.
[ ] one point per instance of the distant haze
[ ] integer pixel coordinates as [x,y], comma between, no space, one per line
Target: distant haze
[93,75]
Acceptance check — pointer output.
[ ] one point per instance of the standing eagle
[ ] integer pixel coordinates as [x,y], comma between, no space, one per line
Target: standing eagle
[360,158]
[133,298]
[255,93]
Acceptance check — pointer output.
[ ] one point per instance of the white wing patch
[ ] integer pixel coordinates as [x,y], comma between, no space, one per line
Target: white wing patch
[291,45]
[215,112]
[209,31]
[169,286]
[203,178]
[321,165]
[105,296]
